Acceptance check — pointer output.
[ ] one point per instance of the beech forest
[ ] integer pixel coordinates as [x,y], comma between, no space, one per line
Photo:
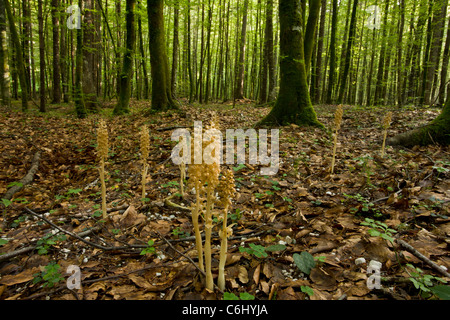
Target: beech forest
[225,150]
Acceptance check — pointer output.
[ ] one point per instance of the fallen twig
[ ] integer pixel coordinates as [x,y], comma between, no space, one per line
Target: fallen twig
[25,180]
[414,251]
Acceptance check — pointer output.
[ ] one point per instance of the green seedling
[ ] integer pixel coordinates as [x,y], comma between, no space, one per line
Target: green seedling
[149,250]
[379,229]
[260,251]
[44,244]
[50,275]
[423,282]
[242,296]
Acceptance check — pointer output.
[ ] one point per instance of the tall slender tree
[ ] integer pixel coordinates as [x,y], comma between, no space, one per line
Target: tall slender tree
[122,106]
[42,105]
[332,70]
[18,56]
[5,96]
[56,54]
[240,56]
[349,50]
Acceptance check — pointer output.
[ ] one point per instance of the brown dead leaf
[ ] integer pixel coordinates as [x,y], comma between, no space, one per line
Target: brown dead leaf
[322,280]
[21,277]
[243,274]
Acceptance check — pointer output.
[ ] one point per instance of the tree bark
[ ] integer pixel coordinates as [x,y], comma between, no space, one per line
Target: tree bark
[436,132]
[77,90]
[19,57]
[41,58]
[173,78]
[348,55]
[310,31]
[332,71]
[5,97]
[239,80]
[293,104]
[56,55]
[161,95]
[122,106]
[90,51]
[432,66]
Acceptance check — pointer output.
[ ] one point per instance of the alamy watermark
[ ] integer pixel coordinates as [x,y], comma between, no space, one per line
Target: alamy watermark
[208,147]
[74,21]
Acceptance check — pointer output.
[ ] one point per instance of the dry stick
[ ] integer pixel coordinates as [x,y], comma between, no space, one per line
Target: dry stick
[74,235]
[412,250]
[27,179]
[9,255]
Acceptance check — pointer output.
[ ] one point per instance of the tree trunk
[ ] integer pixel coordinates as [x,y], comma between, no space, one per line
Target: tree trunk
[122,106]
[318,76]
[437,131]
[173,78]
[19,57]
[77,90]
[56,56]
[5,97]
[41,58]
[444,70]
[161,95]
[380,85]
[310,31]
[432,66]
[143,60]
[293,104]
[239,79]
[332,71]
[348,55]
[90,51]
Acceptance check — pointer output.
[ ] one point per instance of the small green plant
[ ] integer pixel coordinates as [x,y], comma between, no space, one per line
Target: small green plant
[379,229]
[3,242]
[423,282]
[47,241]
[180,233]
[365,206]
[6,203]
[308,290]
[304,261]
[50,275]
[242,296]
[150,249]
[260,251]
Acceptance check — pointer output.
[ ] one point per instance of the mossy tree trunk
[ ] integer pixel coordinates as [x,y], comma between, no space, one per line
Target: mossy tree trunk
[437,131]
[18,56]
[122,106]
[161,95]
[5,97]
[80,107]
[293,104]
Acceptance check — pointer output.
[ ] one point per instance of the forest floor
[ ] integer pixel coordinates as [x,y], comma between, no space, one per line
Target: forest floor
[303,208]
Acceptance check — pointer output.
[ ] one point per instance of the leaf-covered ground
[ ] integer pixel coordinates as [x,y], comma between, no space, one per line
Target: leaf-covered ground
[303,208]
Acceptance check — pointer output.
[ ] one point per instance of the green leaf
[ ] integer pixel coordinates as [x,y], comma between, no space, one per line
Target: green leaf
[3,242]
[6,202]
[276,247]
[246,296]
[304,261]
[230,296]
[307,290]
[441,291]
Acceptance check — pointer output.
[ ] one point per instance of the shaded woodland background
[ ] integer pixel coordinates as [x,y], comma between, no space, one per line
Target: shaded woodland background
[364,52]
